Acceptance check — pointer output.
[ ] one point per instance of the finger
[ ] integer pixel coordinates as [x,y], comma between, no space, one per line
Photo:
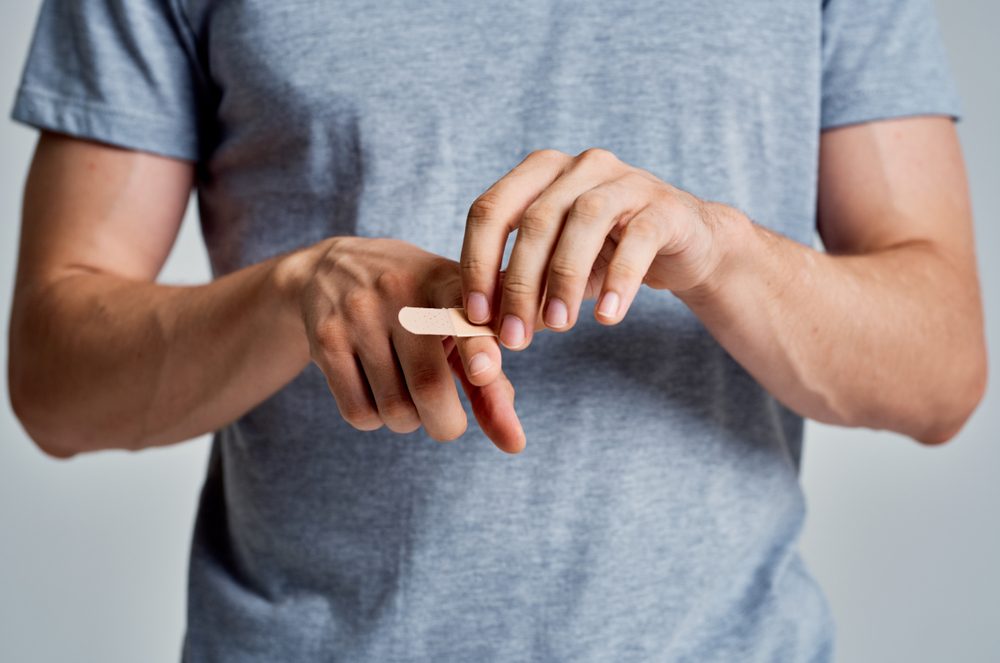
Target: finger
[600,268]
[588,224]
[385,377]
[431,386]
[481,358]
[481,354]
[537,235]
[492,217]
[493,406]
[350,389]
[637,248]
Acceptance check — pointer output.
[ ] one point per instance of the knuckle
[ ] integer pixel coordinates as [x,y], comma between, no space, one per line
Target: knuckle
[590,205]
[425,381]
[623,271]
[357,301]
[484,209]
[472,265]
[390,283]
[643,229]
[597,156]
[517,286]
[547,154]
[563,268]
[539,212]
[327,335]
[535,222]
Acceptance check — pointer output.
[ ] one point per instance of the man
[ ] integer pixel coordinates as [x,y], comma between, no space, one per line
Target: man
[665,162]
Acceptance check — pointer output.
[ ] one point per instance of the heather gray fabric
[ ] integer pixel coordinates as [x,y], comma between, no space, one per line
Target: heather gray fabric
[655,512]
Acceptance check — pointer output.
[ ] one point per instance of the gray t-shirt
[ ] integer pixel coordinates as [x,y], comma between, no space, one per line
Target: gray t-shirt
[655,512]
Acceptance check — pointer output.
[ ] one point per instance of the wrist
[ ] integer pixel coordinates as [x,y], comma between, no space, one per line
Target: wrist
[288,278]
[731,233]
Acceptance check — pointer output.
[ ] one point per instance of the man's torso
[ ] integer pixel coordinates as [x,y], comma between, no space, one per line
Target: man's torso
[655,512]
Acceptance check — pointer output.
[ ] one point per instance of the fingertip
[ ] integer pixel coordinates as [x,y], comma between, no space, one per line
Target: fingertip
[556,315]
[452,432]
[479,364]
[368,427]
[485,378]
[481,360]
[513,333]
[516,446]
[607,322]
[610,309]
[477,307]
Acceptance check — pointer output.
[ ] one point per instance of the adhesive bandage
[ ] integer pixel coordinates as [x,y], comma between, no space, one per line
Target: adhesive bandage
[440,322]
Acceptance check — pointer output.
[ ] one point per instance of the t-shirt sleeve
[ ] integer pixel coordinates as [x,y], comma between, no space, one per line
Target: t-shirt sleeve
[883,59]
[123,72]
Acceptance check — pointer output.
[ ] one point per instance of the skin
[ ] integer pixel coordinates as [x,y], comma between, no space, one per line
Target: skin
[101,356]
[885,330]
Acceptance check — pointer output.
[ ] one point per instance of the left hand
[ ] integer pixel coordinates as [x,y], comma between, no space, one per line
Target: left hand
[587,225]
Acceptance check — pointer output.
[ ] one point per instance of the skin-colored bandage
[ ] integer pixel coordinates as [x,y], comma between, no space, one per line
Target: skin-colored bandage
[440,322]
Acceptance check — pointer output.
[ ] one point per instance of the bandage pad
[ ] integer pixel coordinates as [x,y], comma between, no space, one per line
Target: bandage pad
[440,322]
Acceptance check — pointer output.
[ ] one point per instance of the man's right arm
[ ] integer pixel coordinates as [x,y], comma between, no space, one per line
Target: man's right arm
[101,356]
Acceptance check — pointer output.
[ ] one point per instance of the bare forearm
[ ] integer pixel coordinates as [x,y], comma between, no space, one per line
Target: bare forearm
[99,361]
[889,339]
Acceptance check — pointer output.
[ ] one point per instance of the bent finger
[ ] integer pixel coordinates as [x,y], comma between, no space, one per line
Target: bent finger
[492,217]
[388,385]
[588,224]
[493,406]
[350,390]
[481,358]
[430,384]
[537,235]
[637,248]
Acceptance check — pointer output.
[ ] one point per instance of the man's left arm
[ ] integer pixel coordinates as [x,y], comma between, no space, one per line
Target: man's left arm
[884,330]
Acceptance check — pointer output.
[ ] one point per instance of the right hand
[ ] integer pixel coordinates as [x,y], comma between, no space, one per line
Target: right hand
[381,374]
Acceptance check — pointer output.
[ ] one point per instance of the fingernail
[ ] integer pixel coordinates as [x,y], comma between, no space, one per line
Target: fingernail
[512,331]
[479,363]
[555,313]
[608,307]
[477,308]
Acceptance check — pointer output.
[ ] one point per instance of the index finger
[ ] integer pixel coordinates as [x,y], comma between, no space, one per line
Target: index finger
[493,407]
[492,217]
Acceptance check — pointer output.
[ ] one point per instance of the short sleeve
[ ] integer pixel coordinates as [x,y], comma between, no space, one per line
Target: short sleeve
[122,72]
[883,59]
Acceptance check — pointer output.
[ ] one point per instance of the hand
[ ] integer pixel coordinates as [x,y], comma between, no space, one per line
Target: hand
[381,374]
[586,225]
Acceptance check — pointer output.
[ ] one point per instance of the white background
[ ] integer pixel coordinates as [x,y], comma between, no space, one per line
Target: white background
[905,539]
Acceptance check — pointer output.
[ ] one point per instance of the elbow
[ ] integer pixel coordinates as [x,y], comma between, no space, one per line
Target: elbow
[40,424]
[46,416]
[56,412]
[33,402]
[957,405]
[58,425]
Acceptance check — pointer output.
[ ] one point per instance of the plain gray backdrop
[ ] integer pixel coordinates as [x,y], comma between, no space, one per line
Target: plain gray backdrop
[905,539]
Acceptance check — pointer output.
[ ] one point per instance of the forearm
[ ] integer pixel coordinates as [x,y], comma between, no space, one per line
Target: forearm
[99,361]
[889,339]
